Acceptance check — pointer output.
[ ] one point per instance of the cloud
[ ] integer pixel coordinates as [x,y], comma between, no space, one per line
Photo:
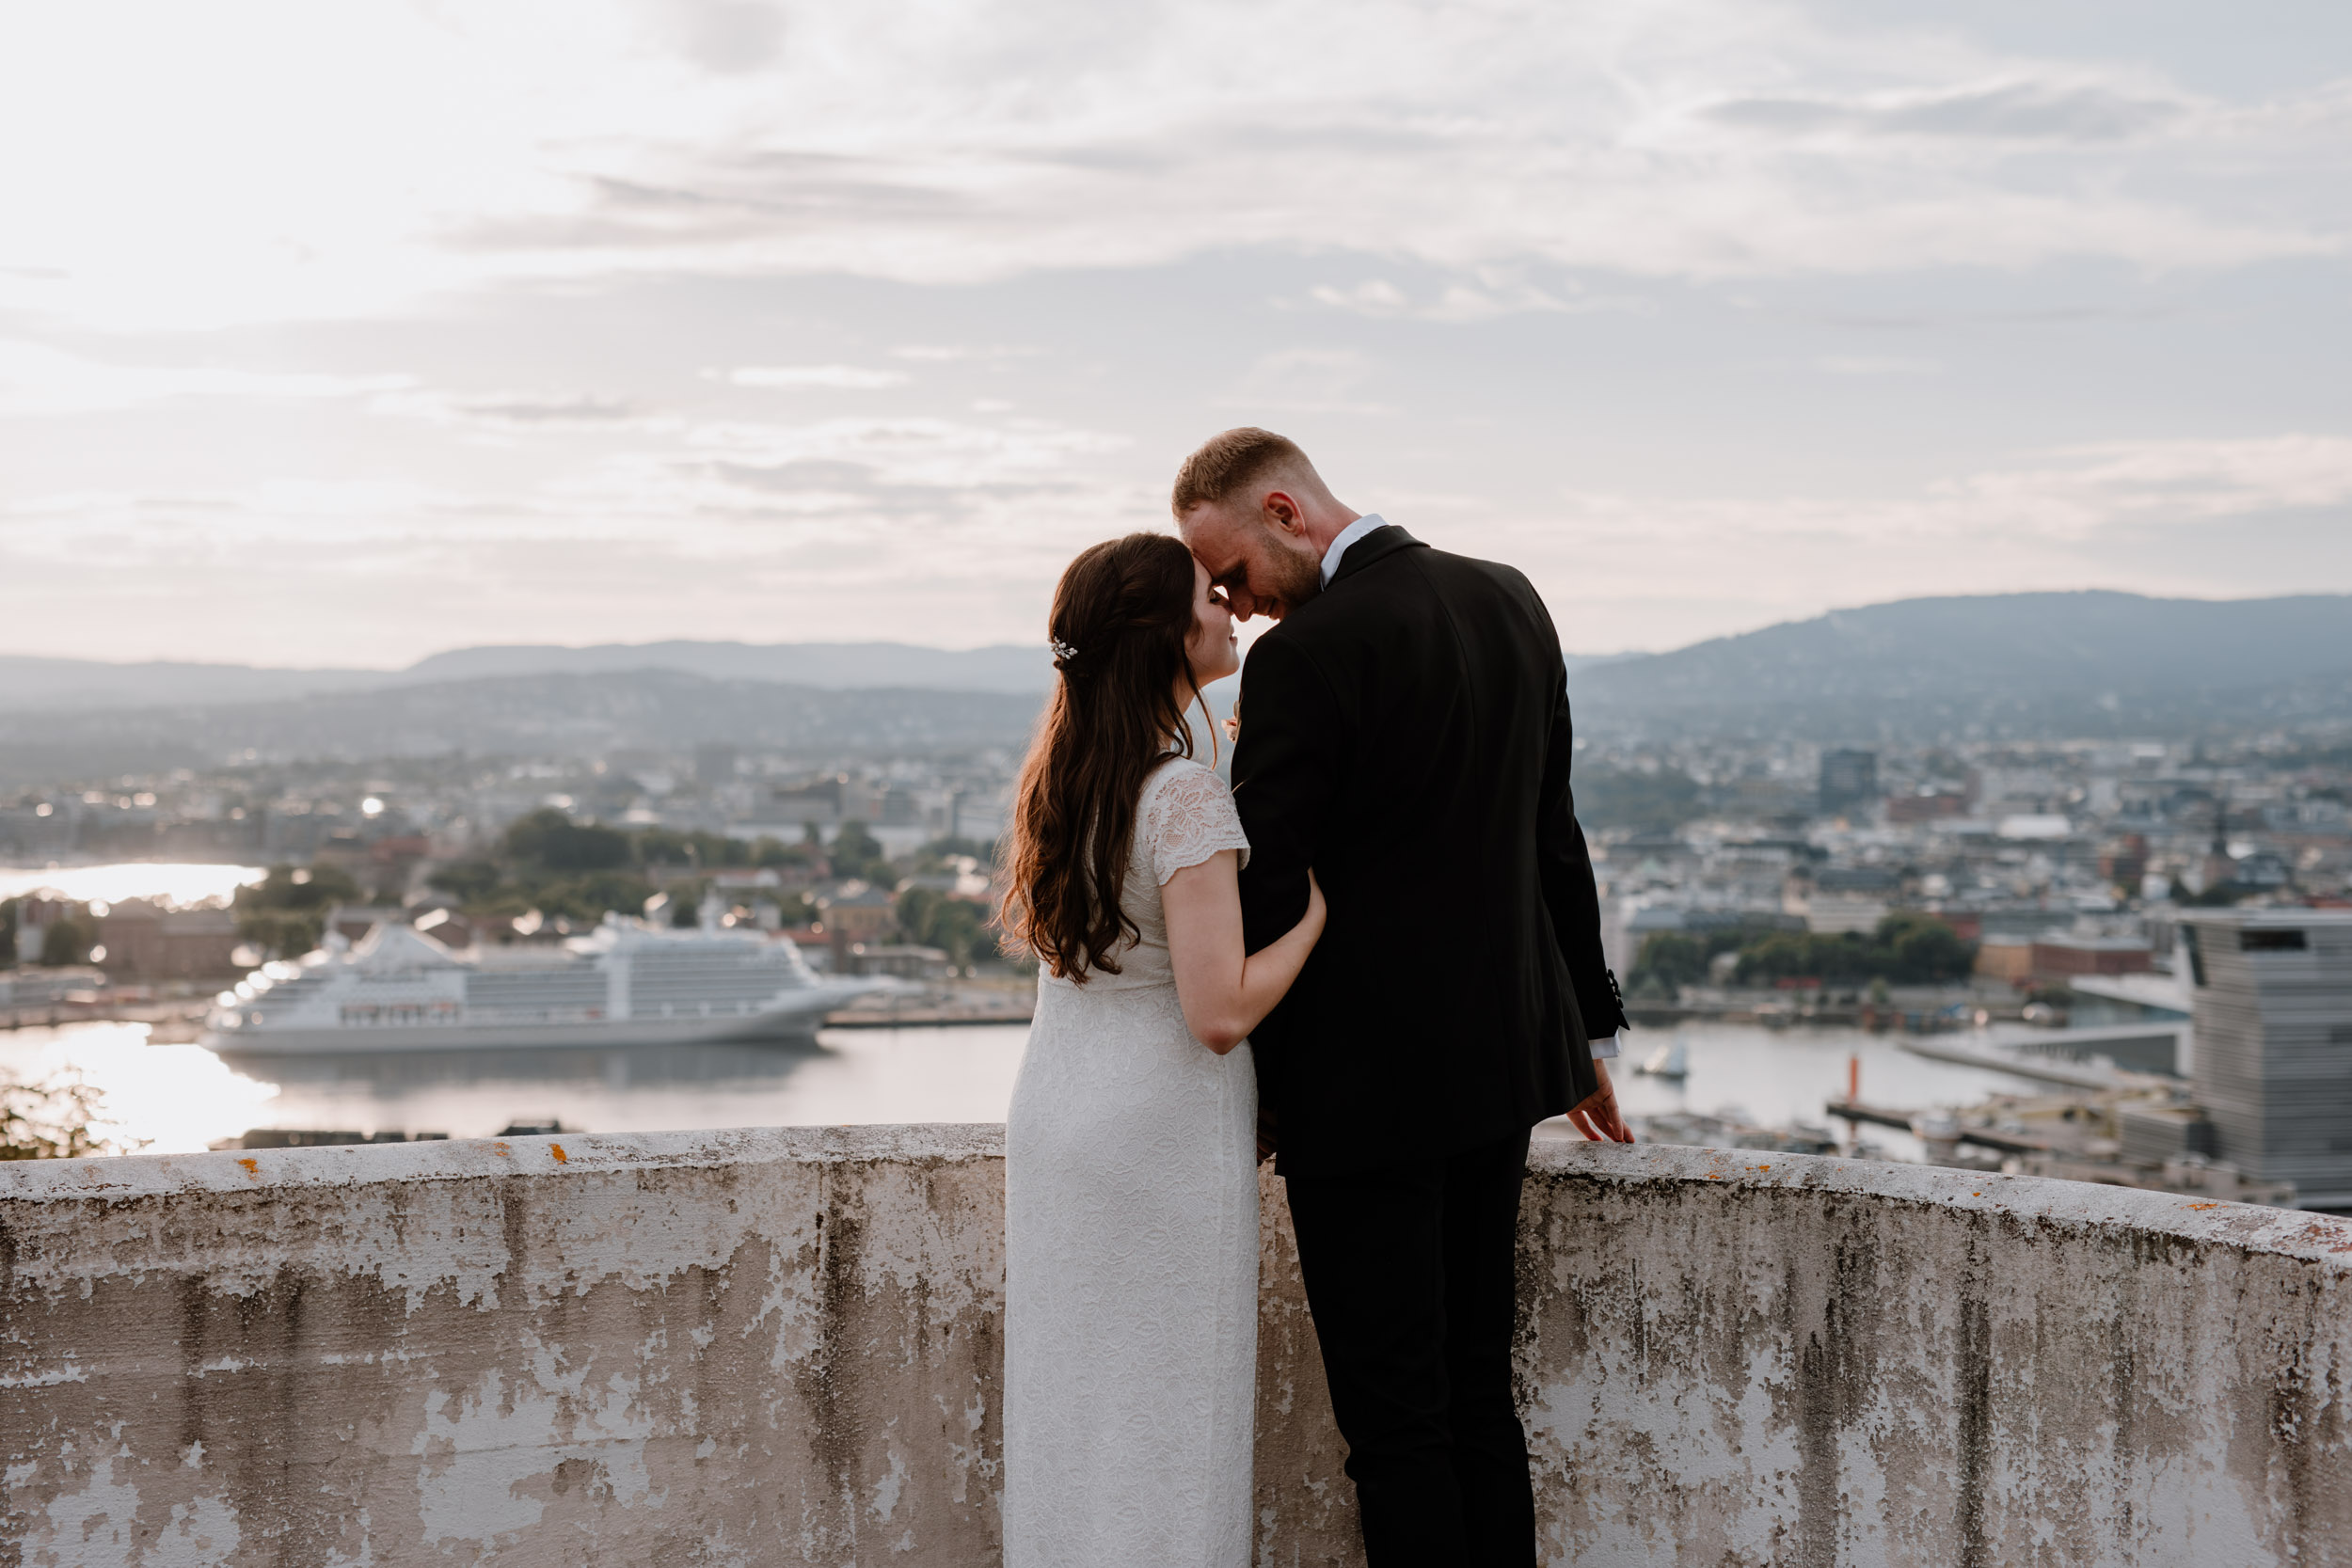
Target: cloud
[1863,364]
[727,36]
[1307,381]
[2198,518]
[2003,111]
[517,411]
[850,378]
[37,379]
[1683,139]
[1490,296]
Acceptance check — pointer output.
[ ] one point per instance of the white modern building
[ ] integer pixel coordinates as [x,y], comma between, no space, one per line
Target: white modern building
[2271,994]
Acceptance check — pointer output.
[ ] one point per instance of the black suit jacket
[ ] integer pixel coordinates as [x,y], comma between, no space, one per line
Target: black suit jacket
[1406,734]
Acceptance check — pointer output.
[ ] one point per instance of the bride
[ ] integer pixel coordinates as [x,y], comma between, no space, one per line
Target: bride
[1131,1188]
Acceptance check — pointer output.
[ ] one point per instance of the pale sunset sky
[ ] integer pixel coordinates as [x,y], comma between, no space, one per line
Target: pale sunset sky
[343,334]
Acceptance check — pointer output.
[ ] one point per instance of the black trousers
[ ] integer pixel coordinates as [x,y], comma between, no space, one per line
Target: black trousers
[1411,1272]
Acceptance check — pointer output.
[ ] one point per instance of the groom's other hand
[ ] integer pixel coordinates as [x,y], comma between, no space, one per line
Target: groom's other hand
[1597,1117]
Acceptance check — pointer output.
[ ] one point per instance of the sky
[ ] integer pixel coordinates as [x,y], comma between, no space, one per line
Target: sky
[340,335]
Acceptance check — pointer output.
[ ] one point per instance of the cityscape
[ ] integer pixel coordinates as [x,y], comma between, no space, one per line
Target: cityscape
[554,562]
[2032,907]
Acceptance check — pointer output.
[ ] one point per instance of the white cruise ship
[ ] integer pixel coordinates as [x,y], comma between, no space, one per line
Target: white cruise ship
[628,984]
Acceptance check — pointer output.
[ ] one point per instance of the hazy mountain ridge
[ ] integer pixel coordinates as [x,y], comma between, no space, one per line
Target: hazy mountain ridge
[2085,664]
[837,666]
[31,684]
[544,714]
[2080,664]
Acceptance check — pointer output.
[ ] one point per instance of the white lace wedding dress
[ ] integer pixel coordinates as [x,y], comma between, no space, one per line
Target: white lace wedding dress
[1131,1256]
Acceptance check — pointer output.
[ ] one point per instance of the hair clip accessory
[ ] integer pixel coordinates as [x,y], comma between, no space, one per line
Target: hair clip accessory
[1064,655]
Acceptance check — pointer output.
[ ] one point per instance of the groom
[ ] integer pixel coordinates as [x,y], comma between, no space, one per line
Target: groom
[1406,734]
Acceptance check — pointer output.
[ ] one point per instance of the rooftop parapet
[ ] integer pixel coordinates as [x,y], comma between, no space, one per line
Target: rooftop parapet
[783,1346]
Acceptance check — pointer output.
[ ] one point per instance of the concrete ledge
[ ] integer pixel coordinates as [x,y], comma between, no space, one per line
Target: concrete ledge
[778,1346]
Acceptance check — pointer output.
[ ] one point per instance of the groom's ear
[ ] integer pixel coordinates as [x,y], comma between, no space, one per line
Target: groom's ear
[1281,510]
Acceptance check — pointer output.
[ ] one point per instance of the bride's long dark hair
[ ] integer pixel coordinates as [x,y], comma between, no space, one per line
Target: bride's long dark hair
[1122,617]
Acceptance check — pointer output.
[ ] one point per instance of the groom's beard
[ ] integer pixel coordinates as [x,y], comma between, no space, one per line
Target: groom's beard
[1298,578]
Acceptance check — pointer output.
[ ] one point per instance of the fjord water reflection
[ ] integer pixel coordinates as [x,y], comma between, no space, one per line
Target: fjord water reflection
[182,1097]
[171,882]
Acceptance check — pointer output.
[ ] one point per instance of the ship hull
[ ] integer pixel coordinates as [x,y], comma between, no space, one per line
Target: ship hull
[798,1019]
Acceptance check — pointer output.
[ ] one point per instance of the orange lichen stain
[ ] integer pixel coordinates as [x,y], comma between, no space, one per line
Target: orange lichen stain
[500,1150]
[560,1158]
[252,1168]
[1714,1176]
[2204,1206]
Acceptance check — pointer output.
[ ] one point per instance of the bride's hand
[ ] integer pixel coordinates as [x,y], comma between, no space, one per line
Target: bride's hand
[1316,908]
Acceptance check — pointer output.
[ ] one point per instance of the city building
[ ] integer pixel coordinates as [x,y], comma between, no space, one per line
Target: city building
[1844,898]
[1925,805]
[143,942]
[2064,956]
[2271,992]
[855,915]
[1849,779]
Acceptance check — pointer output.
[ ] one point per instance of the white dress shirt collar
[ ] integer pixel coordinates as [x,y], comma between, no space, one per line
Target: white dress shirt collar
[1348,535]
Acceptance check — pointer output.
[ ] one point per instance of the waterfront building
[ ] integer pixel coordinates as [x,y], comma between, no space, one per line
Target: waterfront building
[144,942]
[2271,991]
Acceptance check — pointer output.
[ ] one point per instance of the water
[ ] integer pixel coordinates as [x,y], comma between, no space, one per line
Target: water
[1773,1077]
[182,1097]
[175,882]
[174,1098]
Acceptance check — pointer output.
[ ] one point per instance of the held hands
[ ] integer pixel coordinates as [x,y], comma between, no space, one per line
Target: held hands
[1597,1117]
[1312,922]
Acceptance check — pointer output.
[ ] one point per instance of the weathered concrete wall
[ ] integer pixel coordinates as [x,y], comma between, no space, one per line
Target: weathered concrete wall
[781,1347]
[710,1348]
[1735,1358]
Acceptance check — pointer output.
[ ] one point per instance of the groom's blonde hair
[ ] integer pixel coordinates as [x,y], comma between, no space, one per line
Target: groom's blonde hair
[1231,461]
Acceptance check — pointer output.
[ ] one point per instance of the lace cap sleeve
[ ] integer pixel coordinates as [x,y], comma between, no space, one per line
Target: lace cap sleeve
[1189,818]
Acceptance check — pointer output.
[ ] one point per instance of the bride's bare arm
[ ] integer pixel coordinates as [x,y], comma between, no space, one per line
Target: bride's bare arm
[1225,988]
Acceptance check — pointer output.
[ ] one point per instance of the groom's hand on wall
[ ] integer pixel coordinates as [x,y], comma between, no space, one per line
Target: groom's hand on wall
[1598,1116]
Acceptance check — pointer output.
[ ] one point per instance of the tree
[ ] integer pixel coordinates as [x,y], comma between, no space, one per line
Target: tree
[549,838]
[1907,948]
[48,1120]
[8,933]
[68,941]
[466,880]
[956,926]
[585,900]
[281,933]
[285,912]
[1921,950]
[856,852]
[288,887]
[1671,959]
[770,852]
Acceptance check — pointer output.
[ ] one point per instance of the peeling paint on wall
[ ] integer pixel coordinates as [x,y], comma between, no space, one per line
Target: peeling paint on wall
[783,1346]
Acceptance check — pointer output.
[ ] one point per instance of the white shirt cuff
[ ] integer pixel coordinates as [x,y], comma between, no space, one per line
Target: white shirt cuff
[1605,1049]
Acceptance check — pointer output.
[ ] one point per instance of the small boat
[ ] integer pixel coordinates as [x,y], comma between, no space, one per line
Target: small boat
[1667,1061]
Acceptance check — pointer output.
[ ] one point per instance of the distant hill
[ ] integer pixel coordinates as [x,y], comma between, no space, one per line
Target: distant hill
[2077,663]
[836,666]
[2010,664]
[32,685]
[574,715]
